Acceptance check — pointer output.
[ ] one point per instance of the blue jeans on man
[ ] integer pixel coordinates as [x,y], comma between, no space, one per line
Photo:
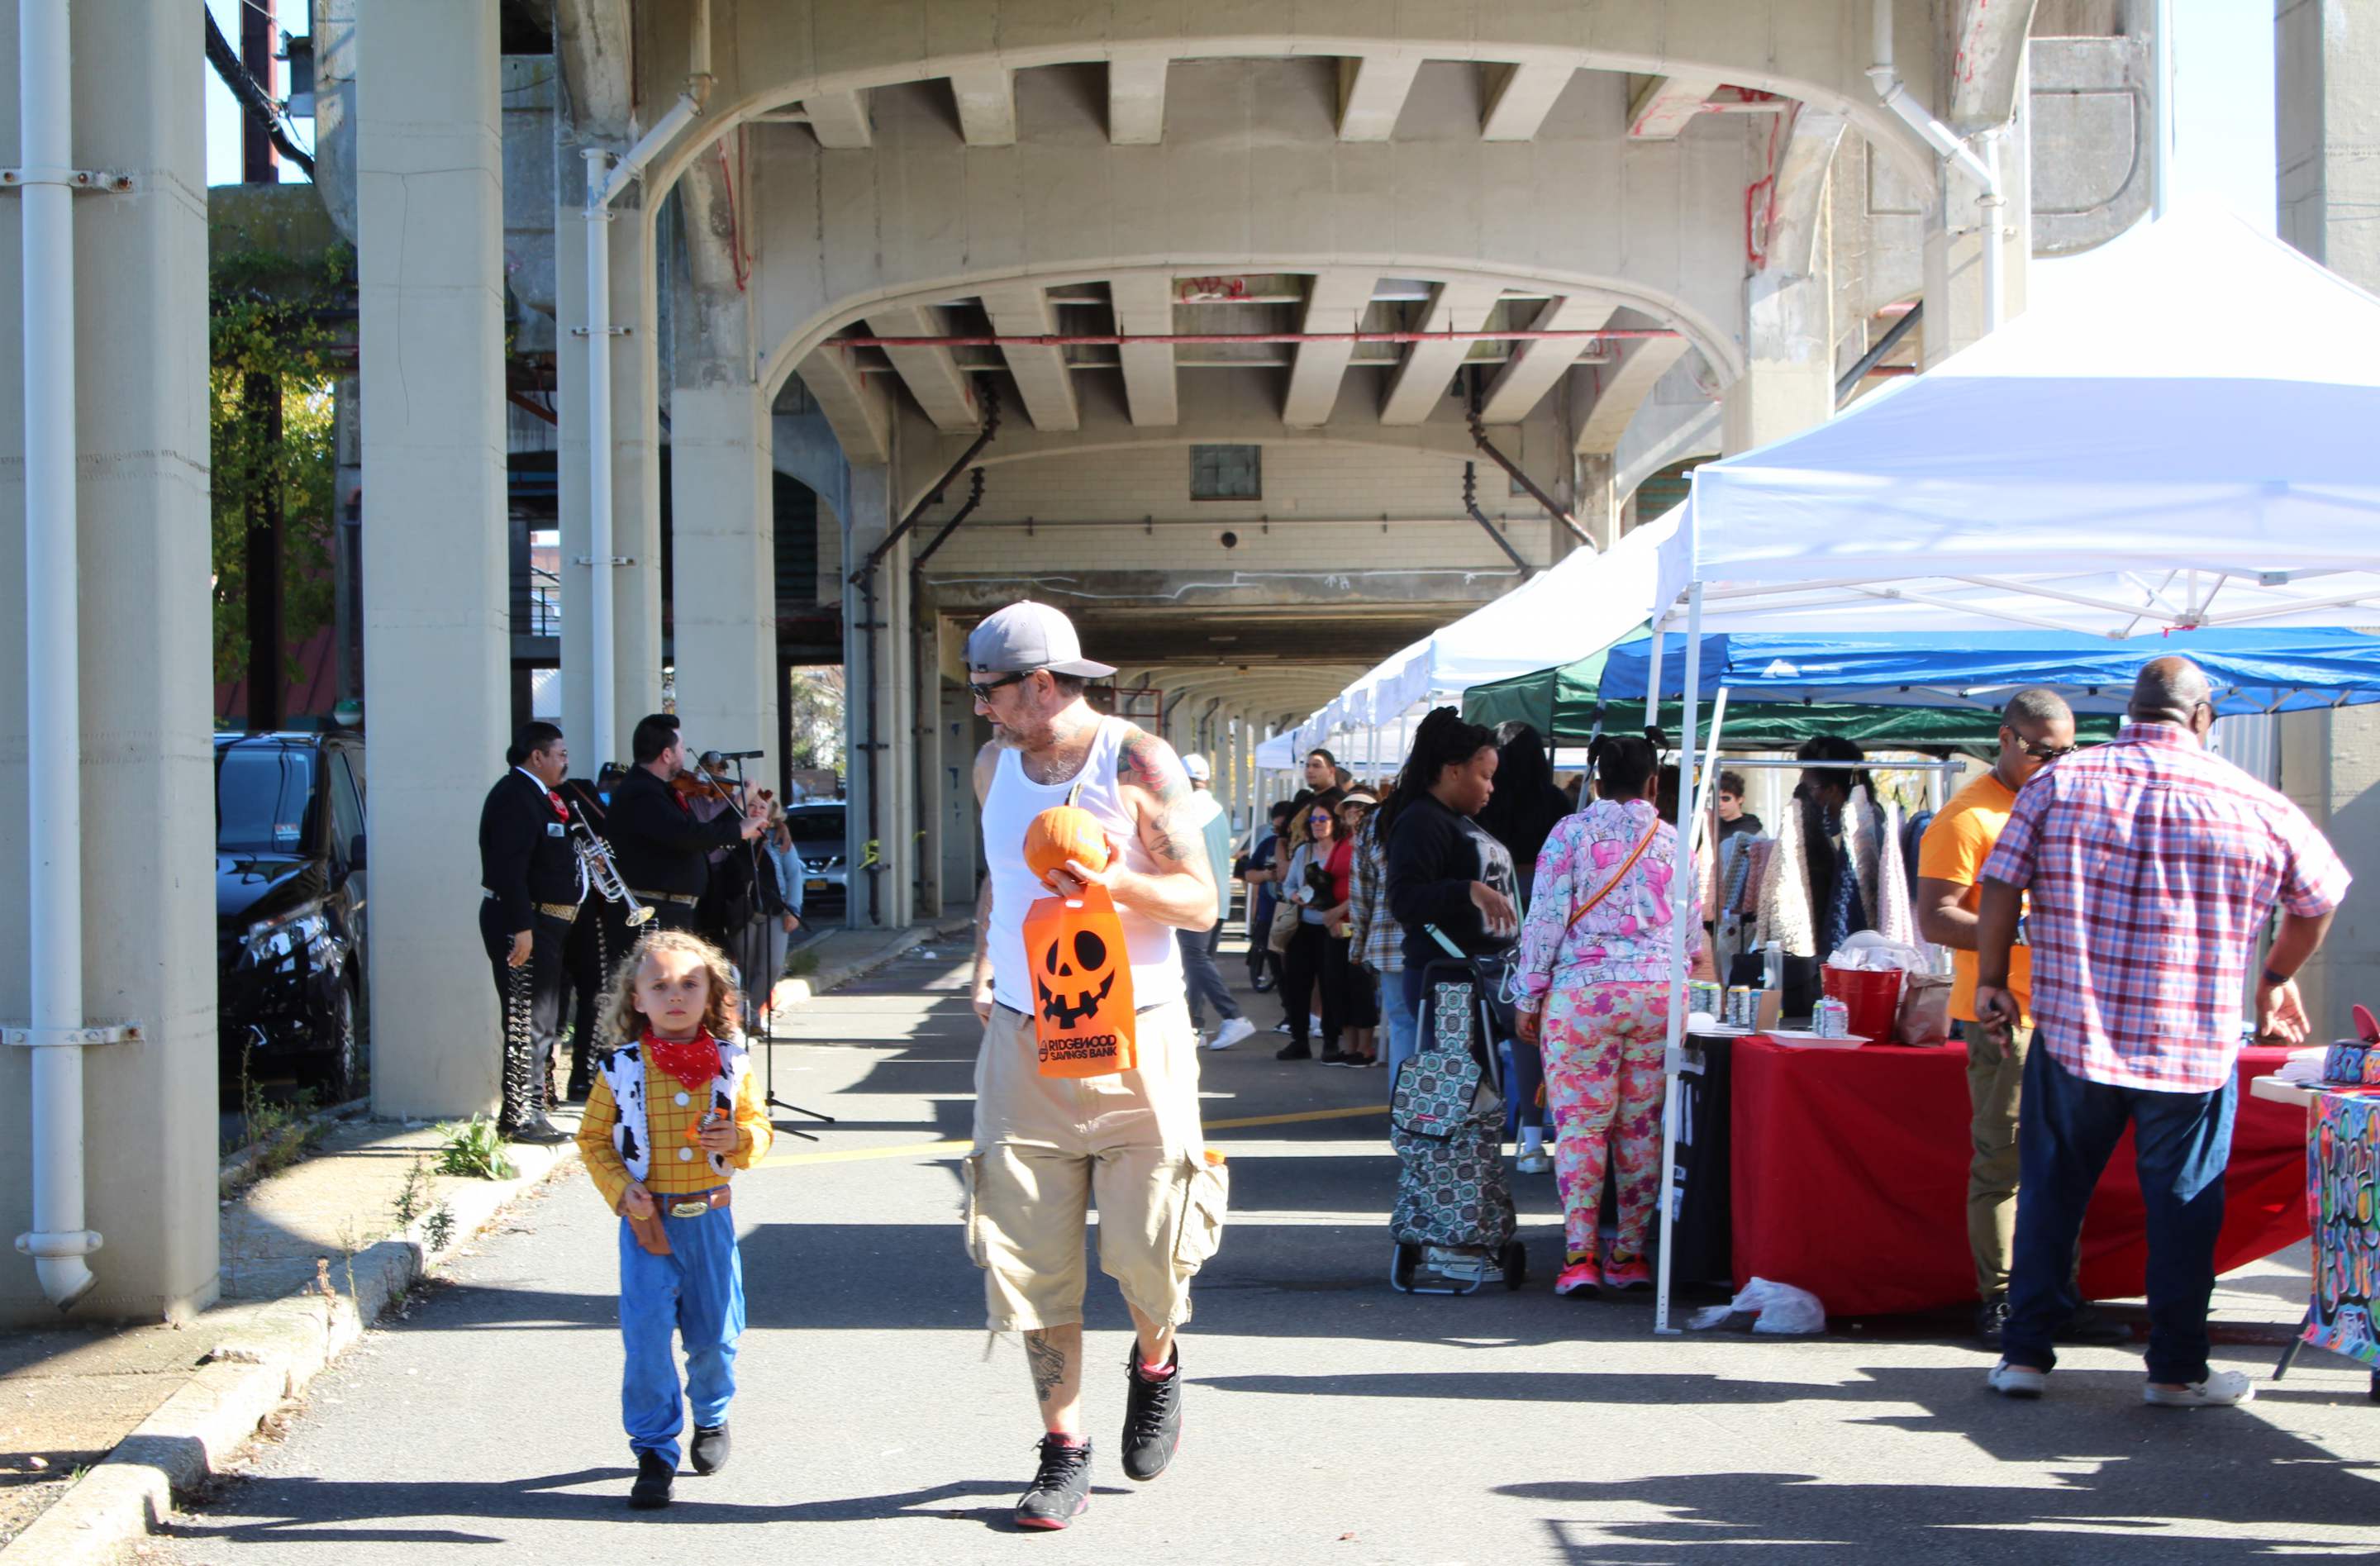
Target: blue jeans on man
[1201,983]
[2068,1127]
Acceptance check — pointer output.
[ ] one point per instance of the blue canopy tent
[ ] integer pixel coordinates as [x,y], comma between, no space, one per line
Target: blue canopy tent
[2254,672]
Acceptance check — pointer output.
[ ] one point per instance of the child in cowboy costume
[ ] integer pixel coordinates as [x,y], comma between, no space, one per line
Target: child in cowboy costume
[674,1111]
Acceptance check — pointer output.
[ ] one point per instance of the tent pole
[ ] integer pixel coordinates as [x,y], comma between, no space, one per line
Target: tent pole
[1672,1056]
[1653,680]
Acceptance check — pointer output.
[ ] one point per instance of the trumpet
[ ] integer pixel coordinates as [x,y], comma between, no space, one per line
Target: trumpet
[604,873]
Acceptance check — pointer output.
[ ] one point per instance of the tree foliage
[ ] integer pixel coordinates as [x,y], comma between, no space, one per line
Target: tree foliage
[814,699]
[269,329]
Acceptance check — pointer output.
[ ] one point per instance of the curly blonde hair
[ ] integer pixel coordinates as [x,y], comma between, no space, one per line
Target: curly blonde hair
[623,1024]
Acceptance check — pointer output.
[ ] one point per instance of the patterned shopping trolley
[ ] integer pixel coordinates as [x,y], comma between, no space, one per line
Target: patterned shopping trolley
[1454,1220]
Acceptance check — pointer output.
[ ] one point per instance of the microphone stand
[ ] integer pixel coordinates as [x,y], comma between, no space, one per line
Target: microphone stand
[755,949]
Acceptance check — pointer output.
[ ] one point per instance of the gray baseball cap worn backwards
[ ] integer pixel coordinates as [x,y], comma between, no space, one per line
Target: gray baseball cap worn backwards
[1025,637]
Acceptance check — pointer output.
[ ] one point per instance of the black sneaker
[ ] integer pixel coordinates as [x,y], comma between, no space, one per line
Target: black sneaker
[708,1453]
[654,1477]
[2088,1328]
[1062,1490]
[1152,1416]
[1990,1316]
[1333,1056]
[1294,1049]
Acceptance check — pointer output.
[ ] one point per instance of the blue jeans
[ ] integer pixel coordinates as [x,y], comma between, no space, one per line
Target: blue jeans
[1525,1076]
[1397,1016]
[1200,982]
[696,1293]
[2068,1127]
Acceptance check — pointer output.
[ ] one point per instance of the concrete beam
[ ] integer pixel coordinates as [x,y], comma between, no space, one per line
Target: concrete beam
[857,408]
[722,538]
[1620,388]
[932,375]
[1534,368]
[1667,104]
[1042,379]
[430,218]
[1519,98]
[1987,60]
[1136,100]
[1144,305]
[1372,91]
[594,43]
[1421,380]
[840,119]
[987,102]
[1335,303]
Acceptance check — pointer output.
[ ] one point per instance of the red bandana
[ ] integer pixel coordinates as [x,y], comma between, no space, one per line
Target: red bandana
[560,809]
[693,1061]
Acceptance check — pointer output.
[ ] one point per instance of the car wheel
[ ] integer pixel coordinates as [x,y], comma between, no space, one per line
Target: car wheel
[341,1065]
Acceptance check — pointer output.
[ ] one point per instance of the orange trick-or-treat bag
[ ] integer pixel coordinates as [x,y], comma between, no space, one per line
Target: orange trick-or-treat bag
[1082,985]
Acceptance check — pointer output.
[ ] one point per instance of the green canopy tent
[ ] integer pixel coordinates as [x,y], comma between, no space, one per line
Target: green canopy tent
[1565,702]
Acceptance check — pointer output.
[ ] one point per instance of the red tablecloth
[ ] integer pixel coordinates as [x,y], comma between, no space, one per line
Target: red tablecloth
[1849,1179]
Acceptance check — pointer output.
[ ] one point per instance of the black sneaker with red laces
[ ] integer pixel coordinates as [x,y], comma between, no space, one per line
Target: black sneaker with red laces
[1152,1415]
[1062,1490]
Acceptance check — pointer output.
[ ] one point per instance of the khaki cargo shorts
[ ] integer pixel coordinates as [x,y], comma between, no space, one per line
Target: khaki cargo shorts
[1046,1148]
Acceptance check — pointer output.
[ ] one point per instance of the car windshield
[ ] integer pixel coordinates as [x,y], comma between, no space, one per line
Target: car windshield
[262,794]
[815,826]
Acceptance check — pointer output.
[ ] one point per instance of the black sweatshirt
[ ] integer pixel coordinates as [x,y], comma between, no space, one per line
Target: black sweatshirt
[660,845]
[1434,856]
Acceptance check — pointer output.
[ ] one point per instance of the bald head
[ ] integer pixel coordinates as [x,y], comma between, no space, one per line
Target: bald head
[2173,690]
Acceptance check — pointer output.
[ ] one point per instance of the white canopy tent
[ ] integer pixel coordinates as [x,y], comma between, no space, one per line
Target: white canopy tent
[1584,603]
[2178,441]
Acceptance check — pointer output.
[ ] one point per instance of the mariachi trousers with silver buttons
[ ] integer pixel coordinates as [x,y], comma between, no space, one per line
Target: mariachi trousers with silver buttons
[530,997]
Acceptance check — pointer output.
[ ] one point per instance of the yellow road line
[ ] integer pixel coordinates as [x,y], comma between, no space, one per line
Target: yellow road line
[960,1150]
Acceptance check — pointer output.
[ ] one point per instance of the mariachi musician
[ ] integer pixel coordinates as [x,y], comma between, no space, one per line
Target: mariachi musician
[592,950]
[531,890]
[662,846]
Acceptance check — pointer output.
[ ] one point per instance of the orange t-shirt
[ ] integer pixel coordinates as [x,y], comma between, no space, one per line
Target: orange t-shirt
[1954,850]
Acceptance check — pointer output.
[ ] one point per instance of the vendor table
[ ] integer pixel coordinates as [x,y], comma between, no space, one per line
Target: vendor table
[1849,1179]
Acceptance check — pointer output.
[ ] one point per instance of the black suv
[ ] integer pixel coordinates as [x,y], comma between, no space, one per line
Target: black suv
[289,906]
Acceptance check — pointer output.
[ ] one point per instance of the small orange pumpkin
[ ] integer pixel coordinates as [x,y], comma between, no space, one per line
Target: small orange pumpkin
[1064,833]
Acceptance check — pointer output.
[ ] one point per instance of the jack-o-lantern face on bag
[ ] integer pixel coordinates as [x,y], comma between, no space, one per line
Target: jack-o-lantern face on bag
[1077,975]
[1083,1022]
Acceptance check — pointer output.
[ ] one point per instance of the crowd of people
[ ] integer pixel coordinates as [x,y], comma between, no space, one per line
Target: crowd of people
[2136,878]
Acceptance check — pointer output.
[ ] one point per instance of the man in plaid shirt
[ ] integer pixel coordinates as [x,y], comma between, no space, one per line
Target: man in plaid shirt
[2151,868]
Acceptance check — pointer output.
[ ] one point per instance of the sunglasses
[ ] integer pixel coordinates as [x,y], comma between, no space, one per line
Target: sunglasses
[1319,818]
[983,692]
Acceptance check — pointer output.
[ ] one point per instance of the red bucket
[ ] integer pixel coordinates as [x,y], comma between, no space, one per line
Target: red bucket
[1873,999]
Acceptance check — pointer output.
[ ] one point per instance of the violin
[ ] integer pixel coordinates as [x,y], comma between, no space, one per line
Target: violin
[693,782]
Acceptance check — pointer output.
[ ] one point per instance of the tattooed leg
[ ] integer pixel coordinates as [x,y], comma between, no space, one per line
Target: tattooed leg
[1054,1357]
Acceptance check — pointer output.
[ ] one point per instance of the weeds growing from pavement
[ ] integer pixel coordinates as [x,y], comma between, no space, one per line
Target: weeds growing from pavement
[476,1149]
[411,1194]
[281,1133]
[439,1231]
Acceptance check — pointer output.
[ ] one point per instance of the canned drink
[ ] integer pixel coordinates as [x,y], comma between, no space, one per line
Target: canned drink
[1831,1019]
[1743,1005]
[1706,996]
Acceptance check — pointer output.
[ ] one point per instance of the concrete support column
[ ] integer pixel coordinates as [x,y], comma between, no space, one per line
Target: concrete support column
[723,533]
[1598,507]
[1789,384]
[926,765]
[636,473]
[430,202]
[144,774]
[2328,60]
[879,709]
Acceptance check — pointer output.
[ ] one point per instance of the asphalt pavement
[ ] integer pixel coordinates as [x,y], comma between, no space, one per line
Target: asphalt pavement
[1328,1418]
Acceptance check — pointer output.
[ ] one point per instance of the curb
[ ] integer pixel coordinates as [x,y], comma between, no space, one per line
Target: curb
[263,1355]
[268,1352]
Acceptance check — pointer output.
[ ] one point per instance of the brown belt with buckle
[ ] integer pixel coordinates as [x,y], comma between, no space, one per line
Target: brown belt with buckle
[644,896]
[566,911]
[649,1232]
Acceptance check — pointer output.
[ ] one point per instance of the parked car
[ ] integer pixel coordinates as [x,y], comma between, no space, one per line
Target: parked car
[817,828]
[289,909]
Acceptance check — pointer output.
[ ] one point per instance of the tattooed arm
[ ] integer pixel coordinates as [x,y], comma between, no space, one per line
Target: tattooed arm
[1180,891]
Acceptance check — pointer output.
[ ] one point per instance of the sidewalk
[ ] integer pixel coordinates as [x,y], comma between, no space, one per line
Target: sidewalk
[99,1425]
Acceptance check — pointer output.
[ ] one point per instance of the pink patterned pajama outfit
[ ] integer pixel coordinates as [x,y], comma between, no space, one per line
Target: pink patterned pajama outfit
[1602,1046]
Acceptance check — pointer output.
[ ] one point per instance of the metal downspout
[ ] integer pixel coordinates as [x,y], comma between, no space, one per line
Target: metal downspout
[58,1242]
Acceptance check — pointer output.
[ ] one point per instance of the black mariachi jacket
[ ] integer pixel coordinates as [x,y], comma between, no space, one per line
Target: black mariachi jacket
[525,852]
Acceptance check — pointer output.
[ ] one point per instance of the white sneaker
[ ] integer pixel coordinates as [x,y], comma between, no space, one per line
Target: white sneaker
[2014,1381]
[1538,1159]
[1232,1030]
[2223,1389]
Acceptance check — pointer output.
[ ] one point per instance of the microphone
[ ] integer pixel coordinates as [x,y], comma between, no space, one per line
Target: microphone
[739,755]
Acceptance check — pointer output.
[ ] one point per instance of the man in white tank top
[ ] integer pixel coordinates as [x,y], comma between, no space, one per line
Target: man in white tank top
[1046,1148]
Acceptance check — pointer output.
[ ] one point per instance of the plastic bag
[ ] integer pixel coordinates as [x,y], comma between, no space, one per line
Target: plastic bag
[1870,952]
[1783,1309]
